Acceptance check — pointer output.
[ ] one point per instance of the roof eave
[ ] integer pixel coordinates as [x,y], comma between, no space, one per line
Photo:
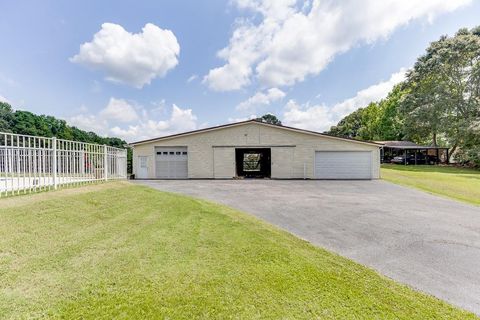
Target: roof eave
[260,123]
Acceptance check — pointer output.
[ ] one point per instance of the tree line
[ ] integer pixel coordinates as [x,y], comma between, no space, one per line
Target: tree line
[438,104]
[24,122]
[28,123]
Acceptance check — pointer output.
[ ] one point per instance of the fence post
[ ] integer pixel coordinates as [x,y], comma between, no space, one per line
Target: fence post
[125,167]
[105,162]
[54,162]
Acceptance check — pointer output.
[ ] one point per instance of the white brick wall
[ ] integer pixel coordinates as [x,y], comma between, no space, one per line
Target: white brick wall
[223,162]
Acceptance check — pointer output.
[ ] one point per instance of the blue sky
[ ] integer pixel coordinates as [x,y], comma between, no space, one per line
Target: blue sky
[308,62]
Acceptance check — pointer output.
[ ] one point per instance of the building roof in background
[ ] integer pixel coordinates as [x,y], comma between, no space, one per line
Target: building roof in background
[406,145]
[398,143]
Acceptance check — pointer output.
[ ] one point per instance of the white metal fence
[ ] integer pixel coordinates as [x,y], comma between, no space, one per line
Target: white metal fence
[30,164]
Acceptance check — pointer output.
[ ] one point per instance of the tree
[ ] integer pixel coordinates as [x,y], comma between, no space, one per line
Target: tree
[269,118]
[391,119]
[370,122]
[24,122]
[349,126]
[438,103]
[378,121]
[444,91]
[424,111]
[6,117]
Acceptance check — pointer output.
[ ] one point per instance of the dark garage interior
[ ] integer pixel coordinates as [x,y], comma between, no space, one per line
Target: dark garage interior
[253,162]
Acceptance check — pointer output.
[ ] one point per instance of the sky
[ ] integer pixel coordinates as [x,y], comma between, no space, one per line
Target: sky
[143,69]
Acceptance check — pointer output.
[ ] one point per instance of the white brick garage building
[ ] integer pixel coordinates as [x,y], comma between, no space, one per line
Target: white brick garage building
[254,149]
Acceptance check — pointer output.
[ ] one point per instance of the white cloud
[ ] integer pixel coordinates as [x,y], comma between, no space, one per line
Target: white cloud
[321,117]
[232,76]
[192,77]
[119,110]
[89,122]
[364,97]
[261,99]
[3,99]
[159,108]
[133,59]
[253,116]
[273,9]
[142,124]
[316,117]
[291,42]
[180,120]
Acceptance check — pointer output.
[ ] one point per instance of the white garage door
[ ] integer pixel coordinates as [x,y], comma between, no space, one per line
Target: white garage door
[343,165]
[171,162]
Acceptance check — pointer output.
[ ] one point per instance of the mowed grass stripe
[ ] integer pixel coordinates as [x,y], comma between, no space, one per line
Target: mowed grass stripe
[127,251]
[461,184]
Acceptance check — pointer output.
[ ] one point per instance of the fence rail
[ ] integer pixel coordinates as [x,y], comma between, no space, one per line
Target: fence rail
[30,163]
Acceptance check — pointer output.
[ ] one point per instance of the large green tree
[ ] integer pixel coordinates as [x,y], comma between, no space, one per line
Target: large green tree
[438,103]
[443,88]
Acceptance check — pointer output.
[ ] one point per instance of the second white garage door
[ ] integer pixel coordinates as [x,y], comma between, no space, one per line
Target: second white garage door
[343,165]
[171,162]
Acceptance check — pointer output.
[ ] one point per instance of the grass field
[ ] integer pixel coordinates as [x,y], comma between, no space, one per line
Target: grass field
[124,251]
[457,183]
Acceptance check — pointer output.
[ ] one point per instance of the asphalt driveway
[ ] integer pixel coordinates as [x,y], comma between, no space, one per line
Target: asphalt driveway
[427,242]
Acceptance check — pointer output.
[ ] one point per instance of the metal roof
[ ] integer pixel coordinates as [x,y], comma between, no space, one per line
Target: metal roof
[407,145]
[257,122]
[398,143]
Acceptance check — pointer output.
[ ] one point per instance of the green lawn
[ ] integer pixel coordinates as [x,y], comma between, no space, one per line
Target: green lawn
[458,183]
[123,251]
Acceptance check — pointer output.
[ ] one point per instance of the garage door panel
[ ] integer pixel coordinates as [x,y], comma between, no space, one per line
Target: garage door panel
[343,165]
[162,168]
[181,169]
[224,163]
[282,162]
[171,162]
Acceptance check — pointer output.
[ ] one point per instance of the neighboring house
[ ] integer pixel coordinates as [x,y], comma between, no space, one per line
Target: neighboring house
[255,149]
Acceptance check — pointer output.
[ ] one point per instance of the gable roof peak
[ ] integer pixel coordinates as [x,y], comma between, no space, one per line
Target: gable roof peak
[255,121]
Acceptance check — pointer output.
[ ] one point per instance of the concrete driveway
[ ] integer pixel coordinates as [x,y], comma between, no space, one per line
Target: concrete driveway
[427,242]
